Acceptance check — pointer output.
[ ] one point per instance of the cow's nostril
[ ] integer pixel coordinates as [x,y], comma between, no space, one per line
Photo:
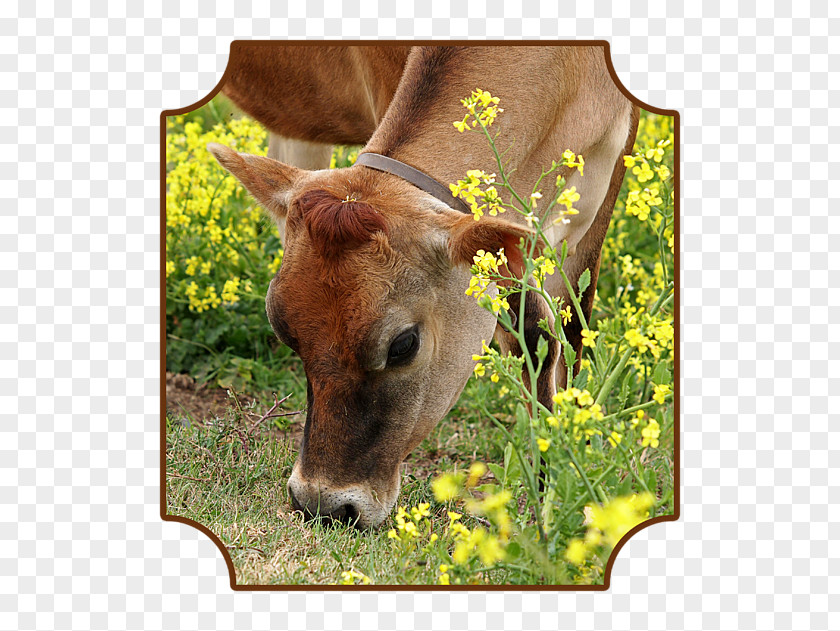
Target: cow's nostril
[317,500]
[295,504]
[351,514]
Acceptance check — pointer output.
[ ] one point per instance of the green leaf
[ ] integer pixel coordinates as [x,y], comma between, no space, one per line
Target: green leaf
[542,348]
[569,354]
[661,374]
[498,472]
[521,415]
[514,550]
[581,380]
[505,320]
[651,479]
[583,282]
[512,466]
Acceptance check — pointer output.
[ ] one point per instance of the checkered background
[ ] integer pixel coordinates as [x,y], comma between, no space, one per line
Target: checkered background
[81,542]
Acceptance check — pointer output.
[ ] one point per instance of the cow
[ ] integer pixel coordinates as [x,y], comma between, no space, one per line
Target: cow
[371,293]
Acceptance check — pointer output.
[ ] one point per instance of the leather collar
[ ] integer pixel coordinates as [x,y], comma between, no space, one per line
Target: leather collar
[413,176]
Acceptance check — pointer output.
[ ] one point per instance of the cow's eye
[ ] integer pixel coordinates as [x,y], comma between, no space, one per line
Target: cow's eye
[404,347]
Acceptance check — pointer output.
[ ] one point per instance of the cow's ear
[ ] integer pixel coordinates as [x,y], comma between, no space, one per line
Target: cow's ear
[269,181]
[468,236]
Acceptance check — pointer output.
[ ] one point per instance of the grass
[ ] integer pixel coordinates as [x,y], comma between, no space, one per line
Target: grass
[230,476]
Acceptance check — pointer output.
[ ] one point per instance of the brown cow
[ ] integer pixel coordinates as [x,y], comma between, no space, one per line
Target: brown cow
[371,291]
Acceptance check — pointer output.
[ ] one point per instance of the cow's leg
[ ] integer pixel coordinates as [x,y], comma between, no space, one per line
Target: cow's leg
[536,309]
[299,153]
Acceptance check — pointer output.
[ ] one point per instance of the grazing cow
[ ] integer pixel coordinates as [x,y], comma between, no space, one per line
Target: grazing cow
[371,293]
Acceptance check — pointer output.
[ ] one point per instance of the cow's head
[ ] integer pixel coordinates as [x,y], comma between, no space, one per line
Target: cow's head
[371,295]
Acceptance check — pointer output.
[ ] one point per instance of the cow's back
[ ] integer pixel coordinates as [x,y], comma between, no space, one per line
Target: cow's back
[321,94]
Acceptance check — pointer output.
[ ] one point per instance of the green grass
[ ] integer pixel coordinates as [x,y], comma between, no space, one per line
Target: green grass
[229,476]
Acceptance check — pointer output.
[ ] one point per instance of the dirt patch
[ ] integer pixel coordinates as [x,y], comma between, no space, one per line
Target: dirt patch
[187,399]
[197,403]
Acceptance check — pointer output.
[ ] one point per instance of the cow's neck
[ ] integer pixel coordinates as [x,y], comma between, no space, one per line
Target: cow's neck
[418,129]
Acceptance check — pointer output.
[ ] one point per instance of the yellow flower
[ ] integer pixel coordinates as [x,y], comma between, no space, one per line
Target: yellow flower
[576,552]
[568,197]
[643,172]
[662,171]
[446,487]
[544,267]
[660,391]
[589,337]
[493,503]
[477,470]
[617,517]
[479,370]
[420,511]
[657,153]
[276,262]
[490,551]
[640,414]
[462,125]
[569,160]
[486,262]
[477,286]
[350,578]
[565,395]
[478,200]
[650,434]
[192,265]
[461,552]
[566,314]
[543,444]
[229,291]
[636,340]
[629,161]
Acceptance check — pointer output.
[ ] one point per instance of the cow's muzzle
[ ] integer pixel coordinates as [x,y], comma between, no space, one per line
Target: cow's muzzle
[354,504]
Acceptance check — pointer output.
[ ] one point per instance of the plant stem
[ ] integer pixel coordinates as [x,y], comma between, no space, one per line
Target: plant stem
[574,299]
[636,408]
[529,473]
[613,377]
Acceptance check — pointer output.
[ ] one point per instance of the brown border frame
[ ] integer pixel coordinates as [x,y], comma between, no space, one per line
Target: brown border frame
[677,249]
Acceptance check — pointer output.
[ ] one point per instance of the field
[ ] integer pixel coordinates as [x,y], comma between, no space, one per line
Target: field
[472,508]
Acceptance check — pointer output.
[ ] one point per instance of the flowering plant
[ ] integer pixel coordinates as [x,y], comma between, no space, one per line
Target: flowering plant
[583,466]
[220,254]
